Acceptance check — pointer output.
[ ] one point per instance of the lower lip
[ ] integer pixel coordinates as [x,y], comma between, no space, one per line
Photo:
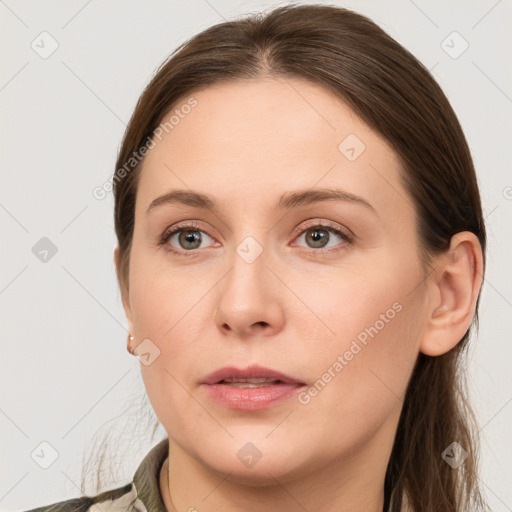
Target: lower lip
[253,398]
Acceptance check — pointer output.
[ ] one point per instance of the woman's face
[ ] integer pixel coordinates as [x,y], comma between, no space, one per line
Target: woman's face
[339,308]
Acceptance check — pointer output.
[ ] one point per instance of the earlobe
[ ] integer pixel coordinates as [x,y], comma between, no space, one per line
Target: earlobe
[454,286]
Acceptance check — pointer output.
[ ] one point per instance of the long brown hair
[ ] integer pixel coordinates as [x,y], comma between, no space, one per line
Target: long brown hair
[396,96]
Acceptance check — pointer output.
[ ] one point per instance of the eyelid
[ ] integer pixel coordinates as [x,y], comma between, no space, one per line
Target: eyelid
[191,225]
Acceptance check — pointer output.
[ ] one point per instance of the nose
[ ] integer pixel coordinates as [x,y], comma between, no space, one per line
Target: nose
[249,303]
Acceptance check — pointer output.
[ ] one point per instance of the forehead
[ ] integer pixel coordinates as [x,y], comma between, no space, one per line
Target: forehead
[268,136]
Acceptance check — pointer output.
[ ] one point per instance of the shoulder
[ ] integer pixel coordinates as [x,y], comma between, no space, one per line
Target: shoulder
[122,499]
[140,495]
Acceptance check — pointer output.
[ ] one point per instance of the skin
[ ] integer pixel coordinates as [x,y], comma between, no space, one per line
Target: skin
[295,309]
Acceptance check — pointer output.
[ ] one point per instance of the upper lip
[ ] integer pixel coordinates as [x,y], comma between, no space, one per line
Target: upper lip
[251,372]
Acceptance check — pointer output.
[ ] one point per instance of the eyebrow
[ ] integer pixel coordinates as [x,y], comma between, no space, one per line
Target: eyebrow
[287,201]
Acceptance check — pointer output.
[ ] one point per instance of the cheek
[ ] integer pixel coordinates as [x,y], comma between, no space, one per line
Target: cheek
[362,371]
[370,316]
[162,298]
[168,308]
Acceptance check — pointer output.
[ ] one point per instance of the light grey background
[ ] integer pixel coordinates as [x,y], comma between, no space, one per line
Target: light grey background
[64,366]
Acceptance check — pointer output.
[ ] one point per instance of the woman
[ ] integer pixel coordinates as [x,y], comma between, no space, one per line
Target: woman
[300,255]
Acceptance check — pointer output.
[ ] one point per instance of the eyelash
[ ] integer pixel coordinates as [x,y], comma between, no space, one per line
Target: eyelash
[193,226]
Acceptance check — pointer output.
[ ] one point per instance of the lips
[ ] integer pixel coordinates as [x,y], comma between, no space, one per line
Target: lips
[253,374]
[250,389]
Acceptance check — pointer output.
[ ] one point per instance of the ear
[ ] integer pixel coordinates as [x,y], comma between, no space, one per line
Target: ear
[124,291]
[453,289]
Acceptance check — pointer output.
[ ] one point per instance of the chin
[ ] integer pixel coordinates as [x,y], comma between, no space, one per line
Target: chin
[259,463]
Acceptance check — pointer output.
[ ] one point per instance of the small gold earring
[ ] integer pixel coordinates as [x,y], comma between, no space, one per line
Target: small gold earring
[129,348]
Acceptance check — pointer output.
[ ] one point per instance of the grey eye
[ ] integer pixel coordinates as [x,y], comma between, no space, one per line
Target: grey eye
[318,237]
[189,239]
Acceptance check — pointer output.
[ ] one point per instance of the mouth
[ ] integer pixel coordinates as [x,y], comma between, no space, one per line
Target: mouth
[254,374]
[250,389]
[249,383]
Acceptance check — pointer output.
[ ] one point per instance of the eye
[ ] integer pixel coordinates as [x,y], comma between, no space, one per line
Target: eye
[185,238]
[324,236]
